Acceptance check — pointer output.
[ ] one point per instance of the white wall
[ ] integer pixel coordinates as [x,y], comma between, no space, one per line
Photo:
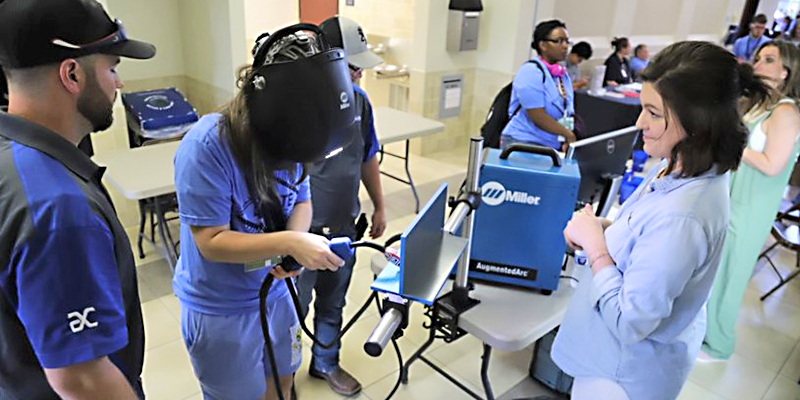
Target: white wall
[390,18]
[206,26]
[505,31]
[269,16]
[157,22]
[767,7]
[657,23]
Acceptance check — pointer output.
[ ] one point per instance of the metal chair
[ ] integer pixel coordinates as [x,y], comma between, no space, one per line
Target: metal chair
[786,232]
[167,203]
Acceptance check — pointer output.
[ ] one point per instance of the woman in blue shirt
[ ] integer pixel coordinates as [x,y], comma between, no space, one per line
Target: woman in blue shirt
[245,201]
[636,322]
[542,104]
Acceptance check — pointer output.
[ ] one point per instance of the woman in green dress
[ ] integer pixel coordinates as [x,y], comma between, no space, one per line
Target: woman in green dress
[756,191]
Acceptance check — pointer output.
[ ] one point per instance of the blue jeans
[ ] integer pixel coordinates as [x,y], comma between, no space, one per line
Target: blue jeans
[330,289]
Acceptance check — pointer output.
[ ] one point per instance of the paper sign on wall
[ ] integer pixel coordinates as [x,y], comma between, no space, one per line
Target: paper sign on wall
[452,93]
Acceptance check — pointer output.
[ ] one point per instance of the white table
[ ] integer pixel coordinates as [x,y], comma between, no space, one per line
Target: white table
[145,174]
[506,319]
[395,126]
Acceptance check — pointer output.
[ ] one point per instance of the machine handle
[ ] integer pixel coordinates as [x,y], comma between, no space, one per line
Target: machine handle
[533,149]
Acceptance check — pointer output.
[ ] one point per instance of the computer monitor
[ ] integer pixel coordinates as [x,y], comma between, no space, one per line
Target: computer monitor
[427,255]
[599,158]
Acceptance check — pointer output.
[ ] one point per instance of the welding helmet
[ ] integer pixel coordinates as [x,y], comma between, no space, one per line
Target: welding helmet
[299,95]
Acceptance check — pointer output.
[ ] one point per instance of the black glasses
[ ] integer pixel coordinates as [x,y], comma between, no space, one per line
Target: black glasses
[558,40]
[117,36]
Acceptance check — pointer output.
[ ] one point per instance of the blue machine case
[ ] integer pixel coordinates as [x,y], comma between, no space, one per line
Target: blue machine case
[527,200]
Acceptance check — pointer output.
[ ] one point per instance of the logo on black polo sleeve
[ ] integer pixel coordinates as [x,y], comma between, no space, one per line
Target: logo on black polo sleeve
[79,320]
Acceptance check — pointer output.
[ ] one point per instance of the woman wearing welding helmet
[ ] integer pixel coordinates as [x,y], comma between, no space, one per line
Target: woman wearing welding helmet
[245,202]
[637,319]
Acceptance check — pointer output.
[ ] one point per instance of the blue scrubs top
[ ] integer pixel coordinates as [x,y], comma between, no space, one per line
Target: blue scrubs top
[212,191]
[535,87]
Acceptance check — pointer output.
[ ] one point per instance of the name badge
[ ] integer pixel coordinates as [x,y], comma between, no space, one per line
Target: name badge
[567,122]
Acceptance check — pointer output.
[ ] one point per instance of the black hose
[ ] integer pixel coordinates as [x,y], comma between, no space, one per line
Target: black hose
[370,245]
[400,372]
[262,304]
[263,293]
[296,301]
[393,239]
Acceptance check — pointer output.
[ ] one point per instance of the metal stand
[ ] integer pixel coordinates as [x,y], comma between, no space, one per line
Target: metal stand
[445,312]
[410,181]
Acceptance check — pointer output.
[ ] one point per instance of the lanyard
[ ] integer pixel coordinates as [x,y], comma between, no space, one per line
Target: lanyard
[749,49]
[563,91]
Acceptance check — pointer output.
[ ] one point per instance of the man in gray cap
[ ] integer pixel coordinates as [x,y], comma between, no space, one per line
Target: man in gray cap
[334,190]
[70,316]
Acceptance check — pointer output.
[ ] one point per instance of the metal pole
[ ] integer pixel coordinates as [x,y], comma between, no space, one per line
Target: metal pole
[383,332]
[473,178]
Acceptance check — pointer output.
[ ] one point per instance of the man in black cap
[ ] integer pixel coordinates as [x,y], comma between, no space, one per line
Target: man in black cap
[70,317]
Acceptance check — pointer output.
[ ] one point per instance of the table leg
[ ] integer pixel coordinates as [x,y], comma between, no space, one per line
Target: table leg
[410,180]
[166,236]
[417,354]
[142,225]
[487,385]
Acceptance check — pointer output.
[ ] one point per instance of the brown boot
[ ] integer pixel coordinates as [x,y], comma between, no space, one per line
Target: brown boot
[339,380]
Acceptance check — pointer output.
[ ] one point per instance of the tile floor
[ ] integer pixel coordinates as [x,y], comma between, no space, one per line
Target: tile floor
[766,364]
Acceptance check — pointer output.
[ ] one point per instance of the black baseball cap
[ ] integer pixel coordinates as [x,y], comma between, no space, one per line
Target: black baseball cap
[39,32]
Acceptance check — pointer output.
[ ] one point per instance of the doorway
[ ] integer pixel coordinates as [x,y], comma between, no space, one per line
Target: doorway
[316,11]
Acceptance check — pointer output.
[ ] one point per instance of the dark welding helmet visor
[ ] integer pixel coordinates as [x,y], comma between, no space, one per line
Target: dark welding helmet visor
[300,96]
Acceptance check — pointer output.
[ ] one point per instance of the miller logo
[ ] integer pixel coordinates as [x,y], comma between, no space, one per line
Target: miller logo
[495,194]
[344,101]
[78,321]
[611,145]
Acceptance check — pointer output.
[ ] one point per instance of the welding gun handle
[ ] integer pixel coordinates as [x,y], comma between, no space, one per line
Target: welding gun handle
[339,246]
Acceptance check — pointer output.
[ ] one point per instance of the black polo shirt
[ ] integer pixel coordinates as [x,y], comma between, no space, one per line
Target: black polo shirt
[68,290]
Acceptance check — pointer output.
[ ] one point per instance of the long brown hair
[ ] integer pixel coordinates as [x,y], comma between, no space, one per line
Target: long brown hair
[702,83]
[248,150]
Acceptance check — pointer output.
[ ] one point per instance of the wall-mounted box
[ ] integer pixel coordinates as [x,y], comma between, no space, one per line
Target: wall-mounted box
[463,22]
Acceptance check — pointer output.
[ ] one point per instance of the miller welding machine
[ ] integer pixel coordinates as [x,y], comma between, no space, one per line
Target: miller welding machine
[529,195]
